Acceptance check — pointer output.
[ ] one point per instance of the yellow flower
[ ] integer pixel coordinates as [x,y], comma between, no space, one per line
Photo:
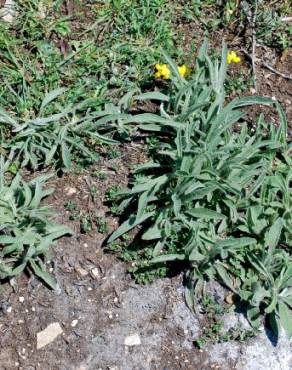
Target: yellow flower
[232,57]
[183,70]
[162,71]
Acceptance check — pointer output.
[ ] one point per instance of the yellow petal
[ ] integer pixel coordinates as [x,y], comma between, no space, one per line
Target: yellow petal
[165,72]
[182,70]
[166,75]
[232,57]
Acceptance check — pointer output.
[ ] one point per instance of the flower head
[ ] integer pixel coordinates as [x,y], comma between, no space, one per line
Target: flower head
[232,57]
[162,71]
[183,70]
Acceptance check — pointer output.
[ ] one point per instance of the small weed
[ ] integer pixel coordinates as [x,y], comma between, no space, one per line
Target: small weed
[102,226]
[101,175]
[113,153]
[85,223]
[26,232]
[87,220]
[112,197]
[272,31]
[213,327]
[71,206]
[140,268]
[93,192]
[237,84]
[73,209]
[112,192]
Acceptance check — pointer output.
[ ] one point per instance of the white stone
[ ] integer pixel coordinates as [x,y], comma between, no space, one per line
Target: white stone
[74,323]
[95,272]
[48,335]
[132,340]
[70,191]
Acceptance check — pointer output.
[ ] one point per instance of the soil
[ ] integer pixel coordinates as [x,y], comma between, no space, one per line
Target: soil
[107,304]
[98,305]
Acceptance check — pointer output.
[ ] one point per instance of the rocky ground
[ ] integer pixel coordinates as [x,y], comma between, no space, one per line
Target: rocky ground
[99,318]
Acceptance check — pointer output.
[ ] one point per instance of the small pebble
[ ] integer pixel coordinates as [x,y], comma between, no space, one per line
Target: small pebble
[81,271]
[21,299]
[70,191]
[74,323]
[48,335]
[95,272]
[132,340]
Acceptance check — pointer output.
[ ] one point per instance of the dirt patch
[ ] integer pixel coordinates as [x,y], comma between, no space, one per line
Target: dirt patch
[98,305]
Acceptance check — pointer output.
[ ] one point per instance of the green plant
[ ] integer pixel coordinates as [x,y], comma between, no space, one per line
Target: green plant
[26,234]
[50,135]
[100,174]
[213,328]
[194,200]
[141,268]
[85,223]
[71,206]
[132,33]
[237,84]
[113,153]
[102,226]
[271,30]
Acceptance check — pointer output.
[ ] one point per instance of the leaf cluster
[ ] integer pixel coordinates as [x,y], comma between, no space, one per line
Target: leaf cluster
[26,233]
[54,134]
[215,197]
